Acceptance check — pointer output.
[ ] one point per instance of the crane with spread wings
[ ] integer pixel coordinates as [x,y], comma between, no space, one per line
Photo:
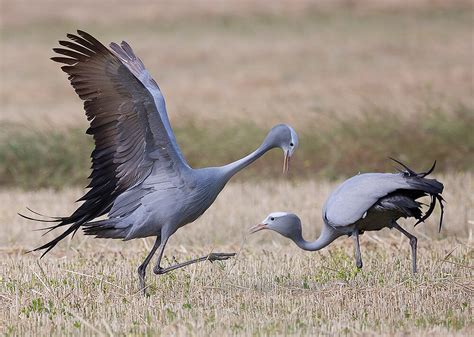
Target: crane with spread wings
[139,178]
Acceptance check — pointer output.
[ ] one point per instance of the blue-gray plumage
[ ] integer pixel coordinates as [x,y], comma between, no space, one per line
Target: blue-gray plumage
[140,178]
[365,202]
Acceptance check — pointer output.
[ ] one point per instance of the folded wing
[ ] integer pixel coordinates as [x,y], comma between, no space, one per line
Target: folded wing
[349,202]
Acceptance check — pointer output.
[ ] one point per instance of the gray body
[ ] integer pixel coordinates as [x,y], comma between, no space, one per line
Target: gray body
[366,202]
[150,207]
[139,178]
[373,201]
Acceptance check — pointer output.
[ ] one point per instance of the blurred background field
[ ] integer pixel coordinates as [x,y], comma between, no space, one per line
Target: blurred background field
[359,80]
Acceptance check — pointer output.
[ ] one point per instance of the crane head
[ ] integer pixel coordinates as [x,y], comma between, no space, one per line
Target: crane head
[287,224]
[284,137]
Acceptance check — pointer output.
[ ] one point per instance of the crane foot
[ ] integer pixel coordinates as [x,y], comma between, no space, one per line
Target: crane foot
[219,256]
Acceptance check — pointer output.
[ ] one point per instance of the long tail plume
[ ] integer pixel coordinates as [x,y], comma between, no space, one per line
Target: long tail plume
[440,200]
[59,221]
[408,172]
[431,208]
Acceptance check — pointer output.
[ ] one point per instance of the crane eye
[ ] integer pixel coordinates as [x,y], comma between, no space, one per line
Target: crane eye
[272,218]
[291,144]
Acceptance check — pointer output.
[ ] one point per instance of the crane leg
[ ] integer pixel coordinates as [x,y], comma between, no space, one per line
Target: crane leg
[413,242]
[358,256]
[158,270]
[142,268]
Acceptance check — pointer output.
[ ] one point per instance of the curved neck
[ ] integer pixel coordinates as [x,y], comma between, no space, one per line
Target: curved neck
[328,235]
[231,169]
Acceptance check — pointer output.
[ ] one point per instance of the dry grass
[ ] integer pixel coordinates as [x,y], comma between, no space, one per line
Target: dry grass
[89,286]
[299,63]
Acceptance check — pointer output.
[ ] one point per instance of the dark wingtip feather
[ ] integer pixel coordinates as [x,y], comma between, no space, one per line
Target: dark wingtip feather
[67,69]
[84,43]
[92,40]
[65,60]
[86,35]
[76,47]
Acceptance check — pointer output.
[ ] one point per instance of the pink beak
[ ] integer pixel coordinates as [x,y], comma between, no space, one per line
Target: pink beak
[257,228]
[286,162]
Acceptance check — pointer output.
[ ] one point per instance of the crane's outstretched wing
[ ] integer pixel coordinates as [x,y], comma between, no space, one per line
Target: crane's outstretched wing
[348,203]
[128,121]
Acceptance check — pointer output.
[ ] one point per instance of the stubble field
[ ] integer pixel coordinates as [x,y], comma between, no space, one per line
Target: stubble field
[358,81]
[89,286]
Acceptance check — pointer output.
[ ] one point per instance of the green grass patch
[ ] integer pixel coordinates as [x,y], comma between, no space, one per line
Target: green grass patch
[337,148]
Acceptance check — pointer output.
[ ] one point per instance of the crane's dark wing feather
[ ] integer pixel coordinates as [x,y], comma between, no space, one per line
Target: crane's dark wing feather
[403,202]
[128,121]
